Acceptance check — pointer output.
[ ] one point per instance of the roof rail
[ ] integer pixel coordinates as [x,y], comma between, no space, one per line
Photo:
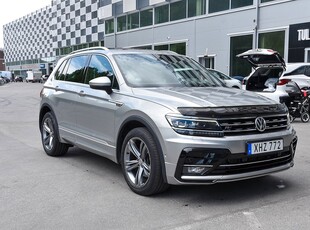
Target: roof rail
[90,48]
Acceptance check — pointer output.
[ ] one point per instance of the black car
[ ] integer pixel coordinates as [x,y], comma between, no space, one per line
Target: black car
[19,79]
[7,80]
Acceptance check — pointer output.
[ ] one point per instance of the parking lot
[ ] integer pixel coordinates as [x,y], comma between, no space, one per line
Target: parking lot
[84,191]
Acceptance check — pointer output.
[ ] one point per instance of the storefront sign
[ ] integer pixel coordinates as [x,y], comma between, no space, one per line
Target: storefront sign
[299,40]
[303,35]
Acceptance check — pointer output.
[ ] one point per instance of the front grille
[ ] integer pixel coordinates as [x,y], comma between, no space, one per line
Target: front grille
[246,125]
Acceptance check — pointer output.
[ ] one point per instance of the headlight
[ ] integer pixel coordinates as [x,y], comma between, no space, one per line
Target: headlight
[195,127]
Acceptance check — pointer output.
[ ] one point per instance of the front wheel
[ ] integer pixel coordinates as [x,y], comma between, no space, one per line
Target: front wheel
[141,163]
[49,136]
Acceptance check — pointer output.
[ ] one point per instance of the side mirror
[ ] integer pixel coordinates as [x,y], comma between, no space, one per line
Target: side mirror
[101,83]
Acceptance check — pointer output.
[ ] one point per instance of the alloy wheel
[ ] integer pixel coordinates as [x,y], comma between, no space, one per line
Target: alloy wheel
[137,162]
[48,134]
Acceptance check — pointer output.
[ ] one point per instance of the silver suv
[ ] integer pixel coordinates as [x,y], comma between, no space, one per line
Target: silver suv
[163,118]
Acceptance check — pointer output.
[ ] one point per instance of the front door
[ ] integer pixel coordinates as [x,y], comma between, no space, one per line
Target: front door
[95,111]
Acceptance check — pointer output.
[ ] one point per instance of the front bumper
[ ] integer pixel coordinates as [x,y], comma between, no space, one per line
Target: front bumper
[216,164]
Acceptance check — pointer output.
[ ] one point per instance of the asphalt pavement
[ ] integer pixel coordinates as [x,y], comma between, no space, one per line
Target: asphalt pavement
[84,191]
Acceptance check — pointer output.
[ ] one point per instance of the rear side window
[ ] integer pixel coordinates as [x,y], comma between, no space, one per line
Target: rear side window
[300,70]
[307,72]
[99,66]
[59,73]
[75,72]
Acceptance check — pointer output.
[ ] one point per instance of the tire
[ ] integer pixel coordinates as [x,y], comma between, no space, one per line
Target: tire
[305,117]
[141,163]
[49,136]
[292,118]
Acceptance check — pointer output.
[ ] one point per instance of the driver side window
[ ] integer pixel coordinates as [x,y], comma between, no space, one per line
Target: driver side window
[99,66]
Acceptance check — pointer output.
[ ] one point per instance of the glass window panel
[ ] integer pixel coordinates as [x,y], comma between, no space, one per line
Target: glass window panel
[133,21]
[207,62]
[300,70]
[146,18]
[59,75]
[161,14]
[272,40]
[76,69]
[109,26]
[262,1]
[218,5]
[240,44]
[161,47]
[149,47]
[146,70]
[99,66]
[179,48]
[196,7]
[121,23]
[240,3]
[178,10]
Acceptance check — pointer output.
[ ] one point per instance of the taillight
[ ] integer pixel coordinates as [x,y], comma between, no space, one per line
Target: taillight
[305,93]
[283,81]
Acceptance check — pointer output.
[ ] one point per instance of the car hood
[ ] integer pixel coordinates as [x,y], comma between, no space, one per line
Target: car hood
[201,97]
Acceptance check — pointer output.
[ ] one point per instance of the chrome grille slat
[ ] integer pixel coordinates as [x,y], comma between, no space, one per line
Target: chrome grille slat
[239,130]
[233,126]
[237,124]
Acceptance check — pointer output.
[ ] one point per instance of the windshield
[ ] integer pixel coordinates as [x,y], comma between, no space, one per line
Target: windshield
[163,70]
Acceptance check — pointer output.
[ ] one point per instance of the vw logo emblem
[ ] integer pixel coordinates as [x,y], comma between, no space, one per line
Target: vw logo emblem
[260,124]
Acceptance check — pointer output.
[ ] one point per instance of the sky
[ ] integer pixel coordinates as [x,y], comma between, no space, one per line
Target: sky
[14,9]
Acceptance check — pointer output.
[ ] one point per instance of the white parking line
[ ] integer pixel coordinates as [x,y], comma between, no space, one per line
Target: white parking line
[252,220]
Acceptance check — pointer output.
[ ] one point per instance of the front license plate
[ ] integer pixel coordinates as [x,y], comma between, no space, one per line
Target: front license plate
[265,146]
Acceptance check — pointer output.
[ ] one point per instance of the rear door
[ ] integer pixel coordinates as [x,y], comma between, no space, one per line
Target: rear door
[68,79]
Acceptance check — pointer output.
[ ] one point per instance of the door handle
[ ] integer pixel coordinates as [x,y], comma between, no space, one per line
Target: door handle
[82,93]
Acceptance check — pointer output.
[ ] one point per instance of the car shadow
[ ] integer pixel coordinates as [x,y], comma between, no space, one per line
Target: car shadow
[235,192]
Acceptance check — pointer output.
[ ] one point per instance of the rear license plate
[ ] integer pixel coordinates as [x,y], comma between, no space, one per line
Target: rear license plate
[265,146]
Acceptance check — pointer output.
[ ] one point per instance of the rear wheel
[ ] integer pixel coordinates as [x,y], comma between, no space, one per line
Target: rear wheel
[49,136]
[141,163]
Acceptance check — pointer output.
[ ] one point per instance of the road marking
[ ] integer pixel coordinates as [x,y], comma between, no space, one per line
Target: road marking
[252,220]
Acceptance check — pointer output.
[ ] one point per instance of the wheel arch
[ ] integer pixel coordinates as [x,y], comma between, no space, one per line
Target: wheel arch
[135,122]
[45,108]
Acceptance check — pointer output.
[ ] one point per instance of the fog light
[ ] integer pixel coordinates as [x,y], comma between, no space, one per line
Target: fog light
[196,170]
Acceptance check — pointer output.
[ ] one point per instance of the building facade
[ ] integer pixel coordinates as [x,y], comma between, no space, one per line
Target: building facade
[211,31]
